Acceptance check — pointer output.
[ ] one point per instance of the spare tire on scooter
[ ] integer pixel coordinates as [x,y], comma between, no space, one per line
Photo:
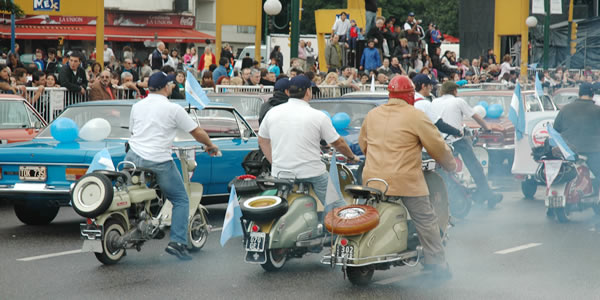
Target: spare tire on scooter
[92,195]
[264,208]
[352,219]
[244,185]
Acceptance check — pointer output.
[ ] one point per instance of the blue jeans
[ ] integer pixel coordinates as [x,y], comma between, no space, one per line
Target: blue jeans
[171,185]
[370,21]
[319,184]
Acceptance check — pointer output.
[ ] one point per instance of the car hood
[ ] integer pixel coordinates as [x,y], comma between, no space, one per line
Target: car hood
[51,151]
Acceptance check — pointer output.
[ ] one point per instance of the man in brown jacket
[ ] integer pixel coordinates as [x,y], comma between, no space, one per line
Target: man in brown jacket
[392,137]
[102,89]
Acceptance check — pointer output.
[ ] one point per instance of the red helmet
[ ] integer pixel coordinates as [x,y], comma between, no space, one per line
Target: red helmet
[401,87]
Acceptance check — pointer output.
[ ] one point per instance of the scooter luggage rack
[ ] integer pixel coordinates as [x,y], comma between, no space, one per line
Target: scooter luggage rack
[371,260]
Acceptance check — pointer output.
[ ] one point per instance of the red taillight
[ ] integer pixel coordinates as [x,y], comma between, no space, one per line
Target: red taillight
[0,173]
[459,164]
[255,228]
[344,242]
[89,221]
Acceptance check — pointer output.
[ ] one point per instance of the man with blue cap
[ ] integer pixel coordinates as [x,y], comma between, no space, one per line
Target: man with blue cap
[280,96]
[423,88]
[290,136]
[153,124]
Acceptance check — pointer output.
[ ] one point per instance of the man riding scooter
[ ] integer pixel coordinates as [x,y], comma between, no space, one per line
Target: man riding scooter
[392,136]
[153,124]
[290,136]
[579,124]
[453,110]
[423,87]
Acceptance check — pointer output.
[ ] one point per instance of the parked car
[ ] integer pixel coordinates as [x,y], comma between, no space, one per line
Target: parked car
[37,175]
[565,96]
[500,143]
[19,121]
[246,104]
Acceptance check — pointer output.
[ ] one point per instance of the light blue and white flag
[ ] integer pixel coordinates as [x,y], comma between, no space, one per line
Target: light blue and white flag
[102,161]
[516,114]
[232,225]
[539,90]
[194,94]
[333,184]
[567,153]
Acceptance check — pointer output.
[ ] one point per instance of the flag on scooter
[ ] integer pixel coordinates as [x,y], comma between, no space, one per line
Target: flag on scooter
[372,83]
[102,161]
[194,94]
[555,137]
[333,184]
[232,225]
[539,90]
[516,114]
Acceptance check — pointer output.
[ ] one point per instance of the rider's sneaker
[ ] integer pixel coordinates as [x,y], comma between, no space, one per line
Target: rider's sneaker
[179,250]
[494,199]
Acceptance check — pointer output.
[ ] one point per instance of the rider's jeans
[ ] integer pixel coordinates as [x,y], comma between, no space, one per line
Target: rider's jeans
[465,148]
[319,184]
[171,185]
[593,162]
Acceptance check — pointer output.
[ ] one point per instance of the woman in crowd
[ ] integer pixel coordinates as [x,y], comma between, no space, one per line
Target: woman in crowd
[180,79]
[223,80]
[94,72]
[207,59]
[207,80]
[51,81]
[14,62]
[5,81]
[174,58]
[276,54]
[402,53]
[236,81]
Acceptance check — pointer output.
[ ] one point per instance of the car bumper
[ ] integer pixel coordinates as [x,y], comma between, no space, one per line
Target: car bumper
[26,191]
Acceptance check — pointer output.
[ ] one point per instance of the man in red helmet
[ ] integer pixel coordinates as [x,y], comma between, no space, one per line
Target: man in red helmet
[392,137]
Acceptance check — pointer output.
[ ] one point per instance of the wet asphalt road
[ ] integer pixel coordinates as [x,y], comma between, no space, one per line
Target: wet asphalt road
[564,265]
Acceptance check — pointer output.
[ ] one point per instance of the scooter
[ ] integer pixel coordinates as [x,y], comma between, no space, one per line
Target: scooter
[570,184]
[376,233]
[125,209]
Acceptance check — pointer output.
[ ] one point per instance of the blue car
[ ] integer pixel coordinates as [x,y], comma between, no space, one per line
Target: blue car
[37,175]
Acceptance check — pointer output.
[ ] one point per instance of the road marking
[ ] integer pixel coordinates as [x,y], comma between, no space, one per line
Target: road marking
[216,229]
[518,248]
[50,255]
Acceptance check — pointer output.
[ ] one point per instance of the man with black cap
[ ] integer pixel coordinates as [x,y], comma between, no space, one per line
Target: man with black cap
[290,136]
[453,110]
[423,88]
[280,96]
[153,124]
[579,124]
[412,32]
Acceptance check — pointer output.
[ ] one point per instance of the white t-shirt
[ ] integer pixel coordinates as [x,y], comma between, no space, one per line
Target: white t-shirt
[453,110]
[153,125]
[108,53]
[422,104]
[295,130]
[341,27]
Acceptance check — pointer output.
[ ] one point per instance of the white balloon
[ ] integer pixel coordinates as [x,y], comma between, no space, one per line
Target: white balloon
[95,130]
[480,110]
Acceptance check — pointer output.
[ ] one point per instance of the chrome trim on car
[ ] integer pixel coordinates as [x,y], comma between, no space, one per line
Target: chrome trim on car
[45,164]
[505,147]
[33,188]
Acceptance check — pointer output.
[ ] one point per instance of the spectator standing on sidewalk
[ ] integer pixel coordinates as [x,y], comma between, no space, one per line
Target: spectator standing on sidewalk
[73,77]
[412,32]
[370,59]
[207,59]
[380,36]
[341,27]
[157,58]
[333,53]
[302,55]
[310,57]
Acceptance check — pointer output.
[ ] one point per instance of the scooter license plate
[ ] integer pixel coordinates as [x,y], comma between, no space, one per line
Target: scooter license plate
[344,251]
[555,201]
[256,242]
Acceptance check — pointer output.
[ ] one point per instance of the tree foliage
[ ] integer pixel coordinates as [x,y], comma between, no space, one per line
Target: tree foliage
[11,7]
[444,13]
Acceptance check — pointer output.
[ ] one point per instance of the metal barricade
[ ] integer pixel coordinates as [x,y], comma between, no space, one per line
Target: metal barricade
[243,89]
[378,87]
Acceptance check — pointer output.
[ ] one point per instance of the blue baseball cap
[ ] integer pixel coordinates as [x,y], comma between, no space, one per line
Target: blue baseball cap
[422,79]
[158,81]
[282,84]
[586,89]
[411,14]
[300,82]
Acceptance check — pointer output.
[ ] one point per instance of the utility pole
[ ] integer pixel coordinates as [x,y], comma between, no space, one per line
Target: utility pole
[570,35]
[12,31]
[295,30]
[546,32]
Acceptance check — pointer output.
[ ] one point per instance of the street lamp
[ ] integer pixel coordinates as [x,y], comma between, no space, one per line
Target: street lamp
[531,21]
[272,7]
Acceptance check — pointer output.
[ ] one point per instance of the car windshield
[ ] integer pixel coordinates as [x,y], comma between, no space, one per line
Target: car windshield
[247,106]
[490,99]
[356,111]
[562,99]
[13,114]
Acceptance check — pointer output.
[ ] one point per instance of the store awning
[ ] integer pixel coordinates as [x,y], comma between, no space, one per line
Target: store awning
[111,33]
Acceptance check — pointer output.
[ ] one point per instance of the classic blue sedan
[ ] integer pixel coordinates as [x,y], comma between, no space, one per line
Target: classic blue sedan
[37,175]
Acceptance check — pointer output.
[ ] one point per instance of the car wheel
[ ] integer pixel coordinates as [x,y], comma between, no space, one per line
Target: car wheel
[264,208]
[34,213]
[529,188]
[351,219]
[92,195]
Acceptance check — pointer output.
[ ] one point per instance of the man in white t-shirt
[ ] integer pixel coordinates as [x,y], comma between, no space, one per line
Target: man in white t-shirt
[109,55]
[423,88]
[153,124]
[453,110]
[290,136]
[341,27]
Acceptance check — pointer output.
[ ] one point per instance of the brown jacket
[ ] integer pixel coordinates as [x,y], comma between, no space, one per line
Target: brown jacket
[99,92]
[392,137]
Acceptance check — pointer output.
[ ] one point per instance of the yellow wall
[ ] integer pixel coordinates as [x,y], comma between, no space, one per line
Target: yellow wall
[324,19]
[242,13]
[510,20]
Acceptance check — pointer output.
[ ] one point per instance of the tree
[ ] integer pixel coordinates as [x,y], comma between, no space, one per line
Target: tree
[11,7]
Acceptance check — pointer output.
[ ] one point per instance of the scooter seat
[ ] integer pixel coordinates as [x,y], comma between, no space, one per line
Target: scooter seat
[359,191]
[274,183]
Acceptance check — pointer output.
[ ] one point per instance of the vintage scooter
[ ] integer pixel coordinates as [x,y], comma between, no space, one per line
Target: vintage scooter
[284,221]
[377,233]
[124,209]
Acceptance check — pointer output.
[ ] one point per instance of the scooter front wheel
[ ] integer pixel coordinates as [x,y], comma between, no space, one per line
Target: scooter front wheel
[111,252]
[360,275]
[562,214]
[197,231]
[276,259]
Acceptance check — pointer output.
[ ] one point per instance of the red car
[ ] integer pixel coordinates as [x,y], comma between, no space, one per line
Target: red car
[19,121]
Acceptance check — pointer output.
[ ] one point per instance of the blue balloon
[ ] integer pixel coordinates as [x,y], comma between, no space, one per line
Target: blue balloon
[484,104]
[340,120]
[326,113]
[495,111]
[64,130]
[461,82]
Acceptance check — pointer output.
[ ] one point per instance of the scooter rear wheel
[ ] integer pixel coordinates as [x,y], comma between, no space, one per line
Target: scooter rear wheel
[110,254]
[197,232]
[360,275]
[276,259]
[460,202]
[562,214]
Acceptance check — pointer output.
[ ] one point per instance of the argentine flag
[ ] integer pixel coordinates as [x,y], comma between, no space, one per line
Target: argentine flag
[555,137]
[194,94]
[539,90]
[516,114]
[232,225]
[102,161]
[333,184]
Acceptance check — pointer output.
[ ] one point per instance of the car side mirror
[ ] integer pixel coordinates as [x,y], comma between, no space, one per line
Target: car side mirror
[37,125]
[246,134]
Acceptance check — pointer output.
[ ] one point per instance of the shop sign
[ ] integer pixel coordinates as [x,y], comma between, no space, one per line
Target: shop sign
[145,20]
[46,5]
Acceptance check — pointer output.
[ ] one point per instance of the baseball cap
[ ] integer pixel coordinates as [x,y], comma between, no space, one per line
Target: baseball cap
[300,82]
[422,79]
[282,84]
[158,81]
[411,14]
[171,78]
[586,89]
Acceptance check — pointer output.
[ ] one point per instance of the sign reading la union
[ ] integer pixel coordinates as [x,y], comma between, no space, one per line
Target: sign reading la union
[46,5]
